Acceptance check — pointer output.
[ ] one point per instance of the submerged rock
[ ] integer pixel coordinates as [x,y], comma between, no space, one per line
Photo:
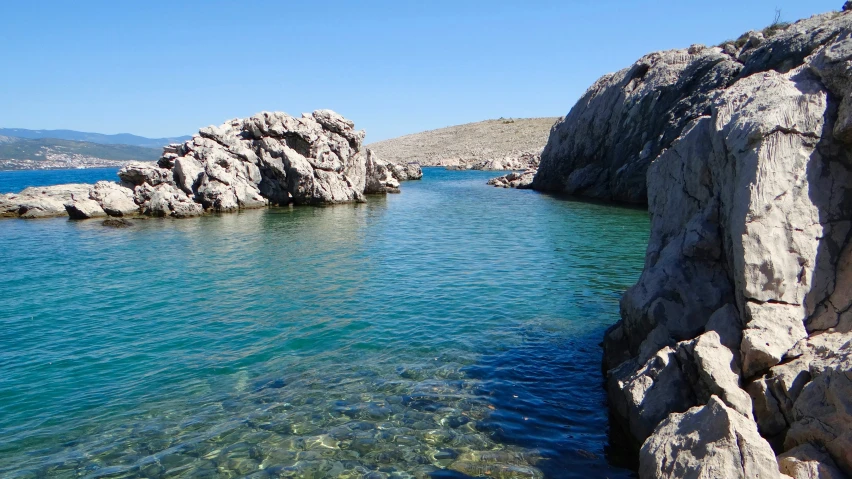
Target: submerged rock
[270,158]
[117,223]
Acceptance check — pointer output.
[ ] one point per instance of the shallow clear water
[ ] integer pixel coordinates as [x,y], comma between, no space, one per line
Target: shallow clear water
[449,331]
[15,181]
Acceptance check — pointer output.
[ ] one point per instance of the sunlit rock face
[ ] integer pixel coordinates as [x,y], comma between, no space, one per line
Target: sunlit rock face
[267,159]
[742,154]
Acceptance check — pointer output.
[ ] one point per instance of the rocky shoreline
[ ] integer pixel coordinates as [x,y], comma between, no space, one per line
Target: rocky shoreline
[733,356]
[267,159]
[491,145]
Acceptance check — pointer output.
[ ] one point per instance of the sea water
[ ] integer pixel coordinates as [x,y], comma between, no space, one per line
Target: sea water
[452,330]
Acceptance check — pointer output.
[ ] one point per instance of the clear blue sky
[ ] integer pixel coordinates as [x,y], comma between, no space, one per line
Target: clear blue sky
[394,67]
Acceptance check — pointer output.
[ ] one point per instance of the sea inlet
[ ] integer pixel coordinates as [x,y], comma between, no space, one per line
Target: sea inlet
[450,331]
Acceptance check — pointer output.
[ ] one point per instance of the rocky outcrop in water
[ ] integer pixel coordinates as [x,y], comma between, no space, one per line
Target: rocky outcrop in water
[741,321]
[267,159]
[41,202]
[520,161]
[520,180]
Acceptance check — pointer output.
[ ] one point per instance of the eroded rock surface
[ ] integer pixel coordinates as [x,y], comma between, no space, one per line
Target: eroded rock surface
[520,180]
[270,158]
[42,201]
[742,153]
[707,442]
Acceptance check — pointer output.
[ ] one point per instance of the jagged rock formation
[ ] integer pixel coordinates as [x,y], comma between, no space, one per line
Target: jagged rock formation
[269,158]
[520,180]
[743,311]
[522,161]
[504,144]
[711,441]
[603,147]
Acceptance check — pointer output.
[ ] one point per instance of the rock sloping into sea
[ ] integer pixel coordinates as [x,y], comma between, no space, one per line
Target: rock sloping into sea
[741,322]
[267,159]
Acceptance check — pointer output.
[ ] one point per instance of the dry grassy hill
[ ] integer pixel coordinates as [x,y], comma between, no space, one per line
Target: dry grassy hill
[464,145]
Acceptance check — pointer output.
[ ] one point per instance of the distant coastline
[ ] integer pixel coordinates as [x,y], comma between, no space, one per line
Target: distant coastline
[81,163]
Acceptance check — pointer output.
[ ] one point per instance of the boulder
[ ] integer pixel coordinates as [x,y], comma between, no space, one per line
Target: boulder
[81,209]
[406,172]
[709,441]
[644,396]
[138,173]
[712,370]
[42,201]
[166,200]
[114,199]
[380,176]
[808,462]
[519,180]
[770,331]
[822,412]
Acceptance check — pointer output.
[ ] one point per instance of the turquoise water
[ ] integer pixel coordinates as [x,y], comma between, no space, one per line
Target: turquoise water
[449,331]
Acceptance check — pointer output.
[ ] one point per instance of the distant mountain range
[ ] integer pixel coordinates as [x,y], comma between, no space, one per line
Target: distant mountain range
[119,139]
[22,149]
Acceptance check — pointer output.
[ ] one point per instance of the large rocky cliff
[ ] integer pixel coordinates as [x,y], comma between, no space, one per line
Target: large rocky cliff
[269,158]
[735,345]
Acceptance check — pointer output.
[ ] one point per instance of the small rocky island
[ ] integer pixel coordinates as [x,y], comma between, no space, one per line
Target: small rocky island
[733,357]
[267,159]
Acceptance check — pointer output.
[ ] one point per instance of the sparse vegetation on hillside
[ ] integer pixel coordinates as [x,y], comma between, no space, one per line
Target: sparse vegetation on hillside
[776,26]
[469,143]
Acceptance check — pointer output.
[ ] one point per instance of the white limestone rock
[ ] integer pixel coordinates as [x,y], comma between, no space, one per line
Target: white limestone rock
[707,442]
[749,188]
[84,208]
[644,396]
[380,176]
[808,462]
[822,412]
[771,330]
[520,180]
[406,172]
[137,173]
[115,199]
[41,201]
[166,200]
[713,371]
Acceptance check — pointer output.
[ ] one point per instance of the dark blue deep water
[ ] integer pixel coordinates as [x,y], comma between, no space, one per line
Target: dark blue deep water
[449,331]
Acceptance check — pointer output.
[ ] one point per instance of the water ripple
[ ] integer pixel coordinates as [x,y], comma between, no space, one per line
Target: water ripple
[450,331]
